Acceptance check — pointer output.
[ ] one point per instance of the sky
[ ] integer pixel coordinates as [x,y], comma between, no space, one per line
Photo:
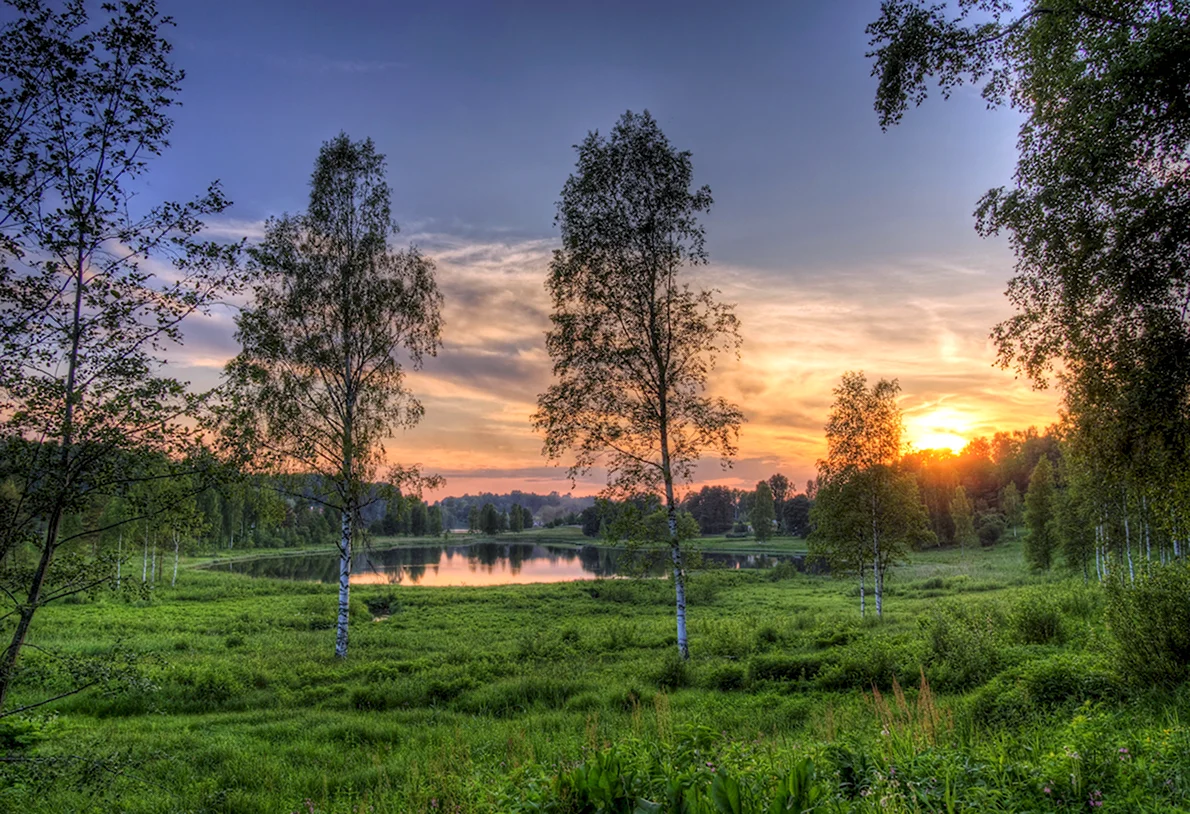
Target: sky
[843,247]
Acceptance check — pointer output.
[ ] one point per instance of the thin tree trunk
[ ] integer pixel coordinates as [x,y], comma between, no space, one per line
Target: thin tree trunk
[877,588]
[862,606]
[144,563]
[119,557]
[33,597]
[1128,540]
[675,553]
[344,584]
[30,607]
[177,544]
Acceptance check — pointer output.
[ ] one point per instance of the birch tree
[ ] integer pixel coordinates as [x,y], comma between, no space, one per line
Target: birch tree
[1096,215]
[95,286]
[632,342]
[336,320]
[864,501]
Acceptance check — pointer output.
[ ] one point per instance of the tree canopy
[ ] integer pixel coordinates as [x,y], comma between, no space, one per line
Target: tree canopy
[633,343]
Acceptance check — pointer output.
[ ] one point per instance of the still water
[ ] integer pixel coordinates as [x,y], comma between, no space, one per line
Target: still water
[485,563]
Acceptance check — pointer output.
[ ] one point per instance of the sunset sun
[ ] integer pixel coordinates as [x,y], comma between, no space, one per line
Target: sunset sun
[940,428]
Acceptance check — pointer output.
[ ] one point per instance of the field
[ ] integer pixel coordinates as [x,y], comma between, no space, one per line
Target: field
[984,688]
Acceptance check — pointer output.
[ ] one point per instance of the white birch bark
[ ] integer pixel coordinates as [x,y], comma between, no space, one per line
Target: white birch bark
[344,585]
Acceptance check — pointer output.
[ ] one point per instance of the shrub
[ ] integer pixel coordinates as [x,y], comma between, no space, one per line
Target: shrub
[384,604]
[871,662]
[785,667]
[726,678]
[1150,623]
[990,528]
[1042,686]
[766,635]
[962,646]
[673,672]
[1037,619]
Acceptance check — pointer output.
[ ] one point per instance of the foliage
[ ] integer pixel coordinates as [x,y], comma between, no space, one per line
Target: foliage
[319,382]
[962,514]
[1097,219]
[1149,621]
[633,344]
[763,513]
[1040,537]
[87,413]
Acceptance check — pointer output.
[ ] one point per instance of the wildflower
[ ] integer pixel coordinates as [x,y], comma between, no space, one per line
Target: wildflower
[1046,789]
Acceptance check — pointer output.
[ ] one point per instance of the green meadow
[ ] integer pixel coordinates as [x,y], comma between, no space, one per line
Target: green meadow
[984,688]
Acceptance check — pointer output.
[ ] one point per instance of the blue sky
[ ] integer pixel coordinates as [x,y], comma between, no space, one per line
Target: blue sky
[845,247]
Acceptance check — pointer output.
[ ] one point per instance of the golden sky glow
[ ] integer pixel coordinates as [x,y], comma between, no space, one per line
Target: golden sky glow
[924,321]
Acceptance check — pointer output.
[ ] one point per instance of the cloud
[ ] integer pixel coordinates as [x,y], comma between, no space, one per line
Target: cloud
[922,320]
[234,229]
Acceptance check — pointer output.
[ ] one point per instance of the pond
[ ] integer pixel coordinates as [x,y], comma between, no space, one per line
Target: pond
[486,563]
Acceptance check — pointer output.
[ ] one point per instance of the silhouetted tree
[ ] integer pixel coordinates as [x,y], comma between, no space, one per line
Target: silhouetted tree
[319,382]
[631,342]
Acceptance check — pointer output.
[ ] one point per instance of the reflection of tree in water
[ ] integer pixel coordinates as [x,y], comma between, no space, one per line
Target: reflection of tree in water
[410,564]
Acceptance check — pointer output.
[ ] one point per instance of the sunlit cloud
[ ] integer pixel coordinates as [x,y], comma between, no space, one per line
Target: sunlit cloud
[924,321]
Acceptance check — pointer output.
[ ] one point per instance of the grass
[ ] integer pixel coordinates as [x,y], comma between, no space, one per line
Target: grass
[972,694]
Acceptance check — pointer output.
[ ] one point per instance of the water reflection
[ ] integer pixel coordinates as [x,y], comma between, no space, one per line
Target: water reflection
[486,563]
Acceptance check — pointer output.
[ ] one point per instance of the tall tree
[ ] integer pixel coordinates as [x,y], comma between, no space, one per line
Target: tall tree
[85,411]
[963,515]
[1040,511]
[419,519]
[763,512]
[869,504]
[779,487]
[489,519]
[435,529]
[632,343]
[1098,216]
[795,516]
[336,320]
[1010,504]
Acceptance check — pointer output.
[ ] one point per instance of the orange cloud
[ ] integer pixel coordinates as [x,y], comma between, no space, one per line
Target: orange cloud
[924,321]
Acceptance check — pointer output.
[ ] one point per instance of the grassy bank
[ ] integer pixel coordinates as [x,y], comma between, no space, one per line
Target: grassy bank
[518,697]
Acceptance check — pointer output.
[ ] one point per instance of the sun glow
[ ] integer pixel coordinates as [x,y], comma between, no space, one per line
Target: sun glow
[941,428]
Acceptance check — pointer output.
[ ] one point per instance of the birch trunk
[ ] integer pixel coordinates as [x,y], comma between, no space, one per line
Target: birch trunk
[119,556]
[344,585]
[177,544]
[877,588]
[1128,540]
[675,552]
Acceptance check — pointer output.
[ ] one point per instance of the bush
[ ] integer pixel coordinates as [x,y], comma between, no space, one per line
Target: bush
[990,528]
[1041,687]
[1037,619]
[1150,623]
[871,662]
[962,646]
[785,667]
[384,604]
[673,673]
[726,678]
